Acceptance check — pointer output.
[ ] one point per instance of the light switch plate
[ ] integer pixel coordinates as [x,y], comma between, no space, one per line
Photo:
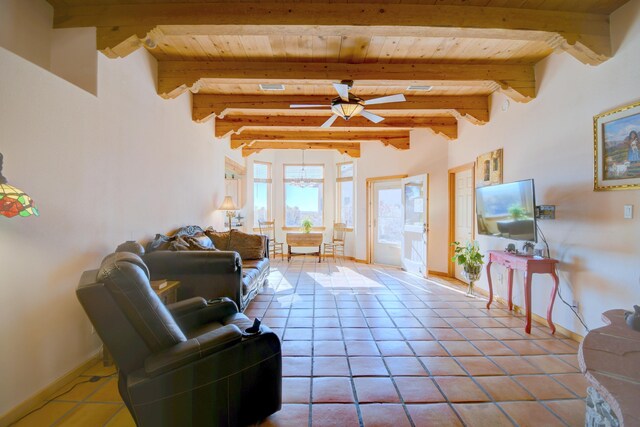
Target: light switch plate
[628,211]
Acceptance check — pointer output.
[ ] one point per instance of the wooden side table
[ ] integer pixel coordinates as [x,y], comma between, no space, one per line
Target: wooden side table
[169,294]
[529,265]
[304,240]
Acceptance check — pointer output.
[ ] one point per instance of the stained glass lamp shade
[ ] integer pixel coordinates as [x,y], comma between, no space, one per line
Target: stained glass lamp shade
[14,202]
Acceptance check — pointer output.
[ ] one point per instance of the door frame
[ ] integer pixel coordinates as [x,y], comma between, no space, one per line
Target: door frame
[452,209]
[370,182]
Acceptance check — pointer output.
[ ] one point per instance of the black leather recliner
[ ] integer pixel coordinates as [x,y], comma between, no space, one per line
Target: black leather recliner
[183,364]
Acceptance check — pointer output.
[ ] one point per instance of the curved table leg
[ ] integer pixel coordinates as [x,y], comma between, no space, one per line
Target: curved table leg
[490,284]
[510,285]
[552,299]
[527,298]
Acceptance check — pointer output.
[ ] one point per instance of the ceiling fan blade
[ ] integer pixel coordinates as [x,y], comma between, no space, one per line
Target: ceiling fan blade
[309,105]
[343,90]
[373,117]
[329,121]
[386,99]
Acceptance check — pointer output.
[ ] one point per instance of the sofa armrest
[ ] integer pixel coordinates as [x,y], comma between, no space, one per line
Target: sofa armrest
[187,306]
[191,350]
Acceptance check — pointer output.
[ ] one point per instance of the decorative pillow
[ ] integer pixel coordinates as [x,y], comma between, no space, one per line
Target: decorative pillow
[200,243]
[249,246]
[131,246]
[159,243]
[220,238]
[179,244]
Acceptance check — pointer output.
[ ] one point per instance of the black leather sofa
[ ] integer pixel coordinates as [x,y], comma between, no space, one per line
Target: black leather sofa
[204,269]
[185,364]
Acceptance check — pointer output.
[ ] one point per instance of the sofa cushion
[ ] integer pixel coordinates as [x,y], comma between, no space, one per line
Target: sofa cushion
[249,246]
[159,243]
[178,244]
[200,242]
[220,239]
[249,278]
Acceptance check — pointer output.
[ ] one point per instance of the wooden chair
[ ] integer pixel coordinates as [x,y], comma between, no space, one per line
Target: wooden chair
[336,246]
[268,228]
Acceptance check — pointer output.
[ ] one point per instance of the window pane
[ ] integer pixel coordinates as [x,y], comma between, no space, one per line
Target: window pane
[390,216]
[346,170]
[310,172]
[260,202]
[346,203]
[302,203]
[260,171]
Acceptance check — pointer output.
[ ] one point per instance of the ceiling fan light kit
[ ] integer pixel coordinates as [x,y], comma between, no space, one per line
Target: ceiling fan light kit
[347,105]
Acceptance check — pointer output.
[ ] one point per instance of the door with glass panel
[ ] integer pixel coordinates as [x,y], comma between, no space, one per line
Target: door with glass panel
[387,222]
[415,224]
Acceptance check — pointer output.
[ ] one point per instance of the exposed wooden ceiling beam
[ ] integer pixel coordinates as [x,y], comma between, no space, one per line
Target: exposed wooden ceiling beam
[176,77]
[397,138]
[350,148]
[473,108]
[584,35]
[446,126]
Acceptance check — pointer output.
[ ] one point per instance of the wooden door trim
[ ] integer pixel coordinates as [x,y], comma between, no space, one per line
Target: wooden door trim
[452,209]
[369,201]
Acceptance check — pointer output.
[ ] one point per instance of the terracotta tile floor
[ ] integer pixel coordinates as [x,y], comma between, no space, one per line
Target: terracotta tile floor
[372,346]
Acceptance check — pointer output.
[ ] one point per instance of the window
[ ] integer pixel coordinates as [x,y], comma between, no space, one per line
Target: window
[261,192]
[344,194]
[303,194]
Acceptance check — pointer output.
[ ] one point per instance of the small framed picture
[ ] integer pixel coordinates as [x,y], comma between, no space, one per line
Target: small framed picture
[489,168]
[616,140]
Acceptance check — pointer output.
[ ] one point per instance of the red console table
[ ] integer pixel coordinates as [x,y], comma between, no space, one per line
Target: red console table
[529,265]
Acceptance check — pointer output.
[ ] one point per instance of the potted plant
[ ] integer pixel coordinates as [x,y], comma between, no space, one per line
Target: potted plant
[306,225]
[469,257]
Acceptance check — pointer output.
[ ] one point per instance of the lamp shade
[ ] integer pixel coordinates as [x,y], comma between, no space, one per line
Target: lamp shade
[347,109]
[14,202]
[227,204]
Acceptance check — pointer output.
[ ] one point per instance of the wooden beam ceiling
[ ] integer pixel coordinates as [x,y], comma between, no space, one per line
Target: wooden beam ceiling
[473,108]
[464,50]
[446,126]
[352,149]
[175,77]
[584,35]
[397,138]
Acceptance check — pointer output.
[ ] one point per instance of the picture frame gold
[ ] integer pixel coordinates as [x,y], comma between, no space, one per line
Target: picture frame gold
[489,168]
[616,149]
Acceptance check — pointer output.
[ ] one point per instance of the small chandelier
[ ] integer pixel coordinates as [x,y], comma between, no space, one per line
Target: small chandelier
[302,180]
[14,201]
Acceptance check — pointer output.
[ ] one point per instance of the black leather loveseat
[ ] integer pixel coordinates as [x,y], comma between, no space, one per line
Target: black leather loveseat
[185,364]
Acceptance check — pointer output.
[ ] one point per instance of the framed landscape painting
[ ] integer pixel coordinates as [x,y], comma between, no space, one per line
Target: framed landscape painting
[617,149]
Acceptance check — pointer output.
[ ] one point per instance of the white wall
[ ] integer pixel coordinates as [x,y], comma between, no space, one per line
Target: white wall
[428,154]
[550,140]
[123,165]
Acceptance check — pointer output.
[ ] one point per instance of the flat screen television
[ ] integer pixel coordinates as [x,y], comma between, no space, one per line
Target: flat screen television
[507,210]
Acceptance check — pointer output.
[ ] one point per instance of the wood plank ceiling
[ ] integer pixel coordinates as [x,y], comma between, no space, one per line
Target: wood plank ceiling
[464,50]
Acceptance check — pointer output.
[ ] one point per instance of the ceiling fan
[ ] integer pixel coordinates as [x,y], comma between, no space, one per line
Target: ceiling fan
[348,105]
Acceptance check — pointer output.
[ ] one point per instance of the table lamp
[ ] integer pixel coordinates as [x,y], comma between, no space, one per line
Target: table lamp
[230,207]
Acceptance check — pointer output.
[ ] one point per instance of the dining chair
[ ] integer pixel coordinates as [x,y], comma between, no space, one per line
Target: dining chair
[336,246]
[268,228]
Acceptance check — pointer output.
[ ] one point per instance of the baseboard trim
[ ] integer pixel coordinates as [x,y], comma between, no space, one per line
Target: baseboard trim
[534,317]
[438,273]
[41,396]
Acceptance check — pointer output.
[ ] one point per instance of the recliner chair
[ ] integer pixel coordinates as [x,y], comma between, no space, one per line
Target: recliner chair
[188,363]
